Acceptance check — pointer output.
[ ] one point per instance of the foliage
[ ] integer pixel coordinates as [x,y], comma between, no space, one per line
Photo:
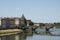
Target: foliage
[31,23]
[57,25]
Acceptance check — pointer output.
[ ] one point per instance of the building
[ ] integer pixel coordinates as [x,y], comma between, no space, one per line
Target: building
[14,22]
[3,23]
[37,24]
[17,22]
[30,23]
[23,21]
[7,22]
[10,22]
[0,22]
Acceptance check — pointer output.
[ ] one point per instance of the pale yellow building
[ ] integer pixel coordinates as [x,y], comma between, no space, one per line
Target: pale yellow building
[17,20]
[0,22]
[36,24]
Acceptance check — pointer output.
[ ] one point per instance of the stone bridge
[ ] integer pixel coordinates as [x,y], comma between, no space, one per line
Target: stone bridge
[48,28]
[33,28]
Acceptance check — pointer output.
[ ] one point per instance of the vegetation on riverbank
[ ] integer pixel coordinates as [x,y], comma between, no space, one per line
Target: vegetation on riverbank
[57,25]
[10,32]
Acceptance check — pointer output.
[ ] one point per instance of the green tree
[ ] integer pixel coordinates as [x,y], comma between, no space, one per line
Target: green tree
[31,23]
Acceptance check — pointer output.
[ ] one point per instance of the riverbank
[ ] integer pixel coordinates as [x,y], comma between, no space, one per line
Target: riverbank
[10,32]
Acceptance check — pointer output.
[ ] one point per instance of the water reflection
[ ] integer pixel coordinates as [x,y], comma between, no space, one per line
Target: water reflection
[39,35]
[52,32]
[21,36]
[12,37]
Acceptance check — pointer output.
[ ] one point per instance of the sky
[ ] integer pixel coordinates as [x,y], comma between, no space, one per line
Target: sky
[42,11]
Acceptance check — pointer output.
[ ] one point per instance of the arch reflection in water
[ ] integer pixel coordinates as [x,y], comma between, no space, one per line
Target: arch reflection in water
[39,35]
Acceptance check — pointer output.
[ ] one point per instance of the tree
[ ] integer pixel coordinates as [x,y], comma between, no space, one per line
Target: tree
[31,23]
[57,25]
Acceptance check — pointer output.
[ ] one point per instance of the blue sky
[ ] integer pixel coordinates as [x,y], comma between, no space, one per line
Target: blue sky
[46,11]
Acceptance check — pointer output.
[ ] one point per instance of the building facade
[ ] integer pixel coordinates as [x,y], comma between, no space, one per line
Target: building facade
[14,22]
[3,23]
[0,22]
[37,24]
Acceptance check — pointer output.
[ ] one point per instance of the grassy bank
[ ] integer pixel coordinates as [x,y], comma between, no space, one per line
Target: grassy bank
[10,32]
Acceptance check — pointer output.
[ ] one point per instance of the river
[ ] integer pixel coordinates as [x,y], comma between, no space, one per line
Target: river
[40,34]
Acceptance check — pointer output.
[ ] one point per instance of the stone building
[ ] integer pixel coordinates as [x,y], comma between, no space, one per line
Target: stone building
[37,24]
[10,22]
[3,23]
[29,23]
[0,22]
[23,21]
[15,22]
[7,22]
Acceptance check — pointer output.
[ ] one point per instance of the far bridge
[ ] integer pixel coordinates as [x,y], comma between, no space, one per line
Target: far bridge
[48,28]
[33,28]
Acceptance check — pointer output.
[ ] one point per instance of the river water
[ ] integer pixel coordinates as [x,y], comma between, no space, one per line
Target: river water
[40,34]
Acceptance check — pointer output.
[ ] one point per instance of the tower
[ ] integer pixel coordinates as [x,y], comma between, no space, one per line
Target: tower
[23,21]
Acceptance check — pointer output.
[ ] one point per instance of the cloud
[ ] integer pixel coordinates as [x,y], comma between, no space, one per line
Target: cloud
[17,8]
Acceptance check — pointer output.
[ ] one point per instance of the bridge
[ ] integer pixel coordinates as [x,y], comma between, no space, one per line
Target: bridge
[33,28]
[48,28]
